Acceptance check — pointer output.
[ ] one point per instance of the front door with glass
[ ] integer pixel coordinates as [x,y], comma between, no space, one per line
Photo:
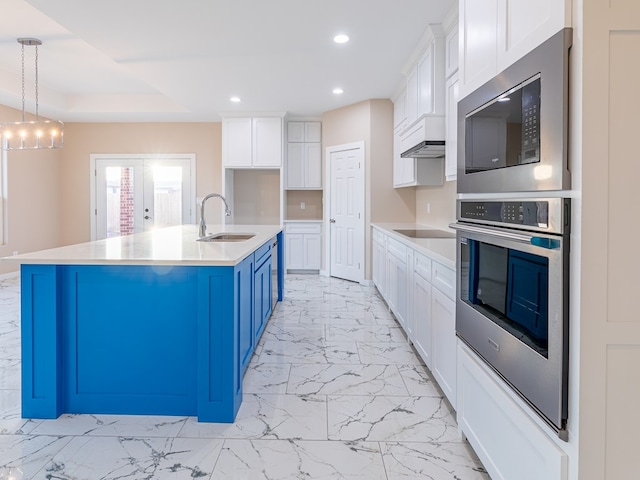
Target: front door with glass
[134,194]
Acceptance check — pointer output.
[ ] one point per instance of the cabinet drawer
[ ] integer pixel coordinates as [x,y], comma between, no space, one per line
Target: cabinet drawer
[302,228]
[262,253]
[397,249]
[378,236]
[422,266]
[444,279]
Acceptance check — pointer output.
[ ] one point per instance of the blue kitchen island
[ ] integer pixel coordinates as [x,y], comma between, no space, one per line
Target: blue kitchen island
[155,323]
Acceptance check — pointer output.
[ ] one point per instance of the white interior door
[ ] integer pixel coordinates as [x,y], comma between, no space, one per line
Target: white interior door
[132,194]
[346,212]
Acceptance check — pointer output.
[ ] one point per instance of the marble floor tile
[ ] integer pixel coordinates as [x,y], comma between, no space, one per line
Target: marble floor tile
[11,421]
[418,381]
[274,351]
[334,391]
[283,460]
[337,318]
[386,418]
[435,461]
[346,380]
[10,373]
[111,426]
[22,456]
[294,333]
[387,353]
[114,458]
[266,378]
[364,333]
[269,417]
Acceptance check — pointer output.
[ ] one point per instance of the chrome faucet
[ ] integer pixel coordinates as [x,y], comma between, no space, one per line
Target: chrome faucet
[203,225]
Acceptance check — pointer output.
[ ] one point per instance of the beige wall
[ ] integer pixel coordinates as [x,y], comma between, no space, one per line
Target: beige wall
[32,197]
[442,203]
[83,139]
[387,204]
[371,121]
[312,200]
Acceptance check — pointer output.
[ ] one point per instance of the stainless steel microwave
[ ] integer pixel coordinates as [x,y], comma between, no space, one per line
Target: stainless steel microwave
[512,131]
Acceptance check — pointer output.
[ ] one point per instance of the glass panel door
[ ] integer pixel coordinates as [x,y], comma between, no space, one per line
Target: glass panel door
[139,194]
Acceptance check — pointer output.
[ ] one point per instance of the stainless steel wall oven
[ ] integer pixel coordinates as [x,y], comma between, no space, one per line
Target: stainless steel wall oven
[512,295]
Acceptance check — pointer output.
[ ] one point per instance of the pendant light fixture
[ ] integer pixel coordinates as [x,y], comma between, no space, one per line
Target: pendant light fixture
[35,134]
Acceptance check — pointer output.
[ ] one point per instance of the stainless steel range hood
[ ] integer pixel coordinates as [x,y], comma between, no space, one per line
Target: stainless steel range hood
[425,149]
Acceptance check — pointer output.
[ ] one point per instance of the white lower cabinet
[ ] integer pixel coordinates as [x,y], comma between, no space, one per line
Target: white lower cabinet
[443,346]
[397,286]
[420,292]
[379,255]
[422,318]
[505,438]
[303,245]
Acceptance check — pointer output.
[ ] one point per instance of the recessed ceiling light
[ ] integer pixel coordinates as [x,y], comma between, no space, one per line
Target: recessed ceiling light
[235,99]
[341,38]
[338,91]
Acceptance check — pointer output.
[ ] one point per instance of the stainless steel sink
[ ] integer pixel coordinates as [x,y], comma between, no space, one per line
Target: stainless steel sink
[227,237]
[426,233]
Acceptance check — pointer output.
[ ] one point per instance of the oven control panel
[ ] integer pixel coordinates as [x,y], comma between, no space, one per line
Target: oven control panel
[524,213]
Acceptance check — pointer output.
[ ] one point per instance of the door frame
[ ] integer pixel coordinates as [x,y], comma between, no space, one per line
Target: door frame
[137,156]
[327,204]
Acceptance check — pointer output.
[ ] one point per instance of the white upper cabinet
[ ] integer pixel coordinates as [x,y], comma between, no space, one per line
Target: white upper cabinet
[496,33]
[478,37]
[400,110]
[451,129]
[411,103]
[425,80]
[523,25]
[252,142]
[236,144]
[299,132]
[267,142]
[304,156]
[451,52]
[304,166]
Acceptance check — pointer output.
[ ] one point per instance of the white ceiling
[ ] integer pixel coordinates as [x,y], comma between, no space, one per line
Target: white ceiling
[181,60]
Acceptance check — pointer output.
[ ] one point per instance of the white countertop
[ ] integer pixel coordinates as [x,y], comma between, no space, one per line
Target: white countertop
[166,246]
[442,250]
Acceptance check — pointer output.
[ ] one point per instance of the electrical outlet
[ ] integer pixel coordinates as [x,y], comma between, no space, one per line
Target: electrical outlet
[302,206]
[428,208]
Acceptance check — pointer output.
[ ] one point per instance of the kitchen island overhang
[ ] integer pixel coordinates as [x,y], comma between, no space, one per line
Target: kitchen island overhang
[154,323]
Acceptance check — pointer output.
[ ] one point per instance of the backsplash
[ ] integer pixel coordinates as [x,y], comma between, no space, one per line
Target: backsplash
[441,201]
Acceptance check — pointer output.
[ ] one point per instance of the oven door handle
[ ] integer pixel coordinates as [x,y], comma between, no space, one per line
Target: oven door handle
[543,242]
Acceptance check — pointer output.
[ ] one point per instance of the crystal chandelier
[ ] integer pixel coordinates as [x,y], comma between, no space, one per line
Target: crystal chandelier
[27,135]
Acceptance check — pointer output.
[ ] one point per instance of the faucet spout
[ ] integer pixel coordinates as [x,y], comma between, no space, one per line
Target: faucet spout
[203,225]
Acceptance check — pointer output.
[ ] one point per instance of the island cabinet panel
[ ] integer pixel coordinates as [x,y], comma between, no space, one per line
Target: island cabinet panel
[152,340]
[43,354]
[262,298]
[245,292]
[119,325]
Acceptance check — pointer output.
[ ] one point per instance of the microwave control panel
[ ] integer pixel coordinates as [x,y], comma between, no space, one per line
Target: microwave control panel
[531,122]
[525,213]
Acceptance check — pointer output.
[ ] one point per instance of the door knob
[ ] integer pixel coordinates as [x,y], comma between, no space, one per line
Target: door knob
[147,217]
[332,220]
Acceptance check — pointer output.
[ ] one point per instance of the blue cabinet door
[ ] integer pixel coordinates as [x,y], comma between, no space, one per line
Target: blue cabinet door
[245,287]
[262,299]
